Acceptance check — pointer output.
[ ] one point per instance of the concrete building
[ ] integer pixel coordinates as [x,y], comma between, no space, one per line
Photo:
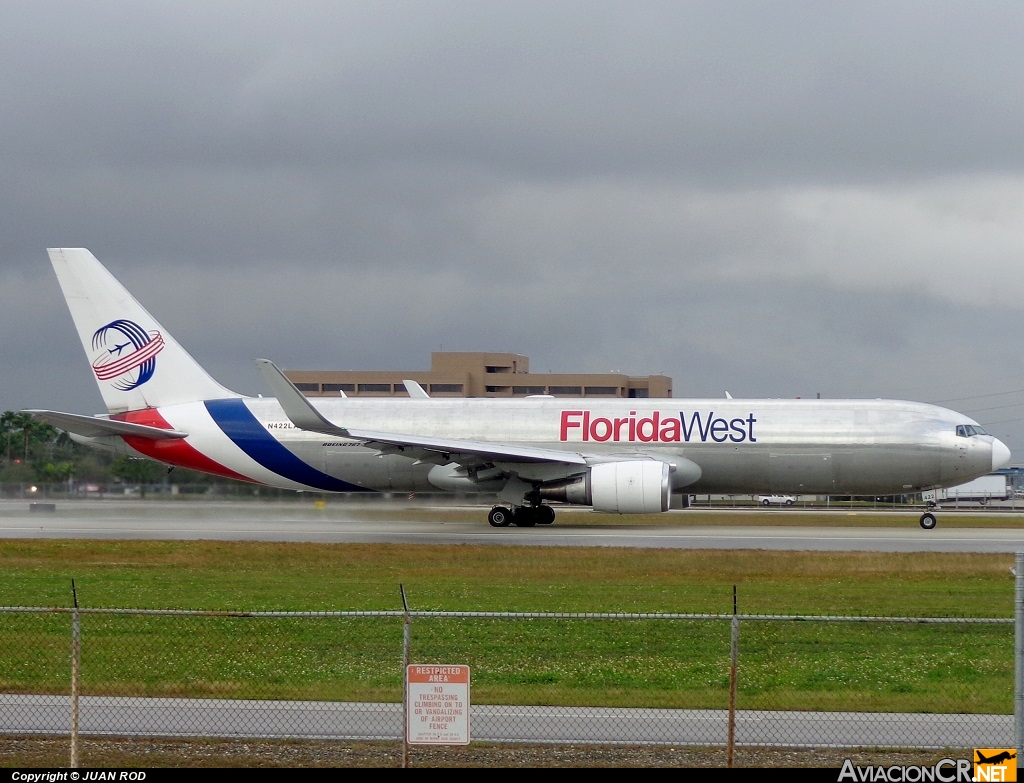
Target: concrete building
[478,374]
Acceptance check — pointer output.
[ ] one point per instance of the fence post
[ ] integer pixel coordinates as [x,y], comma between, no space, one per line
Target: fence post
[406,643]
[1018,653]
[733,676]
[76,654]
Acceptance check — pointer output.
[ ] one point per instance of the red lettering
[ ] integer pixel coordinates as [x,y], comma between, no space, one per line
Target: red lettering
[601,436]
[566,424]
[651,431]
[670,432]
[618,428]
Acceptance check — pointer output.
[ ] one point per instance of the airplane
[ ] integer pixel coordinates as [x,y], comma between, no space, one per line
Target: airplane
[996,759]
[624,456]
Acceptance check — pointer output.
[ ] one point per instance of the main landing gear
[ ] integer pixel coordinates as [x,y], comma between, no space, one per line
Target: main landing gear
[521,516]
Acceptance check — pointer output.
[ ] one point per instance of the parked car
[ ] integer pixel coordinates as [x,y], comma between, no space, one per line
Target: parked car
[776,500]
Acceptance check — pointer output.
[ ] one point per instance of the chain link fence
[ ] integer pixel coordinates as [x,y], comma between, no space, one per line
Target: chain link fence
[631,679]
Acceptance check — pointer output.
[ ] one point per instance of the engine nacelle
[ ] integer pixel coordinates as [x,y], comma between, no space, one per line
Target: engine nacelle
[639,486]
[635,487]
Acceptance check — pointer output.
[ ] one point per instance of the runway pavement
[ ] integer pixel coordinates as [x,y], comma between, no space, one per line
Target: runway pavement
[104,715]
[369,522]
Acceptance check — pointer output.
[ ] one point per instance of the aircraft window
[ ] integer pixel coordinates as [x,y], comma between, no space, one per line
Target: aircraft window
[967,430]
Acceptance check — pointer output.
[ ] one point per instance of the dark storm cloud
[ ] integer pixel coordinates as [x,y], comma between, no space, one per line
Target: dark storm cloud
[772,198]
[745,91]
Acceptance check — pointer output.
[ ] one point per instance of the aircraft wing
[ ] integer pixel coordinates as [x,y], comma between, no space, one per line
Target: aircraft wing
[98,427]
[303,415]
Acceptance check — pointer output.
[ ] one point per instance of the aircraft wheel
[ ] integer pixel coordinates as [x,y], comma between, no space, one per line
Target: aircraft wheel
[524,516]
[545,515]
[928,520]
[500,517]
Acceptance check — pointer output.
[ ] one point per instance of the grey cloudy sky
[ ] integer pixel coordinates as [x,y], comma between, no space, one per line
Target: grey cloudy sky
[776,199]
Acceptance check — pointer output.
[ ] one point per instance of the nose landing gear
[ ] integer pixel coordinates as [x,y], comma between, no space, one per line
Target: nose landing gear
[928,520]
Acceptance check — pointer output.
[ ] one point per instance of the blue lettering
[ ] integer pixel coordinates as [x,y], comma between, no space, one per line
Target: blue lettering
[738,434]
[717,428]
[702,430]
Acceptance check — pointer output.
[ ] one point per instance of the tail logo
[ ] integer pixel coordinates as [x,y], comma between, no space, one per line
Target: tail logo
[127,353]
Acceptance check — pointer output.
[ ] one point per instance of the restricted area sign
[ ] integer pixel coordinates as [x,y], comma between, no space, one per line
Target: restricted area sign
[438,705]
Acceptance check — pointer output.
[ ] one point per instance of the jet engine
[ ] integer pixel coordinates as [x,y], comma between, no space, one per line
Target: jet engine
[639,486]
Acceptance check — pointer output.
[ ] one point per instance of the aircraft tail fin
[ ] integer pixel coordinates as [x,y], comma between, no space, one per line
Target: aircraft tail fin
[136,363]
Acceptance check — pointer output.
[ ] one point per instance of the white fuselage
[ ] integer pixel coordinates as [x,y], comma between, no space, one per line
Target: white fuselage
[852,447]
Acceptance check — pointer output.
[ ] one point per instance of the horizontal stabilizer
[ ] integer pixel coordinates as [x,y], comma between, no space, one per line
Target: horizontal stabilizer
[97,427]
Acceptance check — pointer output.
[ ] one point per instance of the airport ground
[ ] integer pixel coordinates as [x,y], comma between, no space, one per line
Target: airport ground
[49,752]
[397,519]
[414,520]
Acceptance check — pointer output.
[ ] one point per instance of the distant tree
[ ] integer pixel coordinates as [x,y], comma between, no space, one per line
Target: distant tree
[21,433]
[133,470]
[55,472]
[32,451]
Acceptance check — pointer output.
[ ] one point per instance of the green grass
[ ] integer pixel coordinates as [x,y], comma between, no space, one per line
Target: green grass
[307,577]
[649,662]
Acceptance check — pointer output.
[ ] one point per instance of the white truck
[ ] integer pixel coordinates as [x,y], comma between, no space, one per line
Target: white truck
[981,490]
